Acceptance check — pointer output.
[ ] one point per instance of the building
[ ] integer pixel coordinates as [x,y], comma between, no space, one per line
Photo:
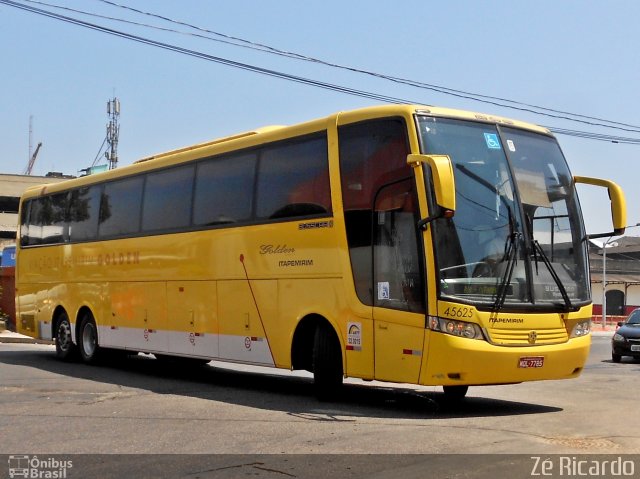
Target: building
[622,271]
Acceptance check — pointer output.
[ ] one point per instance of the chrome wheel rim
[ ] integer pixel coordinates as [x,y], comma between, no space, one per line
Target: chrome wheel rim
[64,335]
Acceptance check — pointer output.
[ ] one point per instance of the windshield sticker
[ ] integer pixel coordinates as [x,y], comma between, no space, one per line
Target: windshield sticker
[492,141]
[511,145]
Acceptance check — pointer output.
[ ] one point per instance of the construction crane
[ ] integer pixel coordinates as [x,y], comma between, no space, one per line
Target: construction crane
[32,160]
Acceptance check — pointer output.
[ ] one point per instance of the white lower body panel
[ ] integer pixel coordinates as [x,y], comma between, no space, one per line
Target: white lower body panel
[243,349]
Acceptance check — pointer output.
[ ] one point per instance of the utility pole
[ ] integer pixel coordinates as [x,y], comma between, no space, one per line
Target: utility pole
[113,130]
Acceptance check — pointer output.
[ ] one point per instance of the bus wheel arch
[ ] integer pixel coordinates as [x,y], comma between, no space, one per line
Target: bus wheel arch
[87,335]
[62,335]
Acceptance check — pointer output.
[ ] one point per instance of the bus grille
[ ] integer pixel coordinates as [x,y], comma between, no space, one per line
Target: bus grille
[528,337]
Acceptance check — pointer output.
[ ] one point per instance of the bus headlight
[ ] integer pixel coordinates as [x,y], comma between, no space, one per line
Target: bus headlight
[456,328]
[581,329]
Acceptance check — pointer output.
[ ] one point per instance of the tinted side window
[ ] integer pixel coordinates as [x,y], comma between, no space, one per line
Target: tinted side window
[25,223]
[52,217]
[293,180]
[167,199]
[120,207]
[45,220]
[224,190]
[83,213]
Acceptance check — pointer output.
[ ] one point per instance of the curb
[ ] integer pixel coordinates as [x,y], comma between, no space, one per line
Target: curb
[10,340]
[14,338]
[7,336]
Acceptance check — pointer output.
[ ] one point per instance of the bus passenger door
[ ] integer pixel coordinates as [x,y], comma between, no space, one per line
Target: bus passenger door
[398,289]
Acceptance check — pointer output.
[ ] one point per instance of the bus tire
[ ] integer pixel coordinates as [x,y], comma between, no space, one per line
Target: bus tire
[455,393]
[327,363]
[88,339]
[65,349]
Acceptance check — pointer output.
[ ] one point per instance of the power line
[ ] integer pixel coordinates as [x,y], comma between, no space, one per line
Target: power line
[243,43]
[275,73]
[560,114]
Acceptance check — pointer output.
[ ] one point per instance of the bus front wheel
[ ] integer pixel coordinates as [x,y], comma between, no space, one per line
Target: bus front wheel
[65,349]
[88,339]
[327,363]
[455,393]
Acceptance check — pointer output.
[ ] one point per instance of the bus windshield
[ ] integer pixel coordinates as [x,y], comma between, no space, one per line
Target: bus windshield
[517,237]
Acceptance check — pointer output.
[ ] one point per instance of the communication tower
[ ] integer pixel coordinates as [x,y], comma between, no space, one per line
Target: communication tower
[113,130]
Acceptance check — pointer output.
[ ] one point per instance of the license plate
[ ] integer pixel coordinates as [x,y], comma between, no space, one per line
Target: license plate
[531,362]
[635,347]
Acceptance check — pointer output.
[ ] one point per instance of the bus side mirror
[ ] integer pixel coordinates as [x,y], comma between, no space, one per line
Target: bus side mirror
[618,204]
[443,180]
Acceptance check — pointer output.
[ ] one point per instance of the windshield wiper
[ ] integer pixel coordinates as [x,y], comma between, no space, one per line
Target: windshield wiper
[511,258]
[554,275]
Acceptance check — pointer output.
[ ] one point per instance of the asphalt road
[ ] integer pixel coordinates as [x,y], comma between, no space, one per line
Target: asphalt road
[143,406]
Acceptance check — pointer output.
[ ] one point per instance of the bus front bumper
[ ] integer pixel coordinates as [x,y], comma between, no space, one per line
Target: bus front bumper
[451,360]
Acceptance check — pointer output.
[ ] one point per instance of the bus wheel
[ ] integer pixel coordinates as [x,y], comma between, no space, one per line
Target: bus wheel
[327,363]
[65,349]
[88,339]
[455,393]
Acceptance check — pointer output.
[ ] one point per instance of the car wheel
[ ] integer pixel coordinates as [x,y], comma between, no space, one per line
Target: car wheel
[88,339]
[616,357]
[65,349]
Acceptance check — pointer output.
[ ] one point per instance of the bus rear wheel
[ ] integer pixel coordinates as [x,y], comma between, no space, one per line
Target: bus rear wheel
[327,363]
[88,339]
[65,349]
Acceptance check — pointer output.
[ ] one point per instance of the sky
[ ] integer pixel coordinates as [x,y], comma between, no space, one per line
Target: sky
[579,57]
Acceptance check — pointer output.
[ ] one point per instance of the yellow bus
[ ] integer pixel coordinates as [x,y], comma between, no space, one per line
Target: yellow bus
[403,243]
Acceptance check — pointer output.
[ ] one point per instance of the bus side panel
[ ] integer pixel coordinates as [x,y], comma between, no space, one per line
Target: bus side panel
[36,291]
[192,312]
[242,336]
[138,317]
[399,344]
[26,309]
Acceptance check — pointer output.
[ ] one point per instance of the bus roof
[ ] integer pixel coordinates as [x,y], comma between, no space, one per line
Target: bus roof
[272,133]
